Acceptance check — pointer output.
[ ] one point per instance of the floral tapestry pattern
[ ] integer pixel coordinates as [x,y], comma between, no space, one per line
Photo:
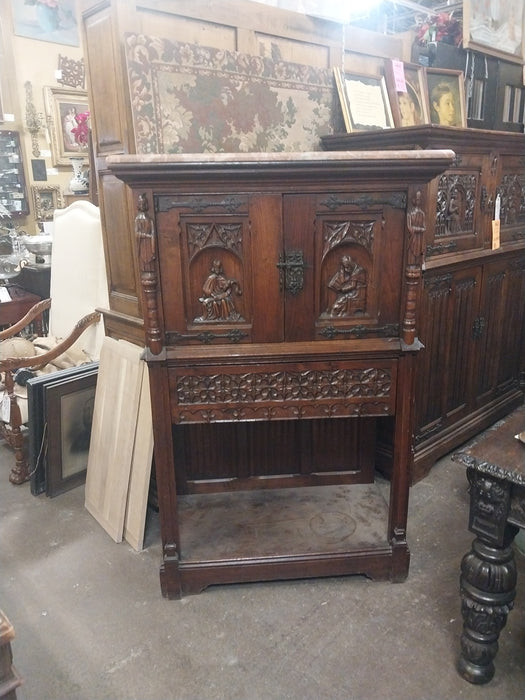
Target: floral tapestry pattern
[187,98]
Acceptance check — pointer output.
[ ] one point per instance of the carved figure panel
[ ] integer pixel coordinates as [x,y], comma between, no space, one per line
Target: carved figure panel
[213,265]
[456,201]
[512,193]
[349,283]
[218,296]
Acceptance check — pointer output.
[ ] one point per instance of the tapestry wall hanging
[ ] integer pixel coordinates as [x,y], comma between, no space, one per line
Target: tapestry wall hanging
[187,98]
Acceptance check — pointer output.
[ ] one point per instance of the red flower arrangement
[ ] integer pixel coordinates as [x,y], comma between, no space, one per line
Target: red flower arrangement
[443,27]
[81,130]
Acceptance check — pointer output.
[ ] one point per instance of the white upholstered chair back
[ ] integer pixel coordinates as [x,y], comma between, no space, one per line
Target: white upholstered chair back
[78,274]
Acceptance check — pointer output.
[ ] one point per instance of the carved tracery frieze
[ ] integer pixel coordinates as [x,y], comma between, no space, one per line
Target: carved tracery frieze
[456,201]
[337,232]
[214,234]
[284,386]
[439,286]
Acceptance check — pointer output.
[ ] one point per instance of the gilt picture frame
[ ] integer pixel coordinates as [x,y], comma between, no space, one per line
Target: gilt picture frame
[46,198]
[364,101]
[409,107]
[446,97]
[495,28]
[61,106]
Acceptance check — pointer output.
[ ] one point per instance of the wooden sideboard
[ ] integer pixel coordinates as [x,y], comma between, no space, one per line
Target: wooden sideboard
[280,295]
[471,316]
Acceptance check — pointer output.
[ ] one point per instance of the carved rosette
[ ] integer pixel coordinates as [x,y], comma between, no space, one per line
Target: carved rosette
[147,253]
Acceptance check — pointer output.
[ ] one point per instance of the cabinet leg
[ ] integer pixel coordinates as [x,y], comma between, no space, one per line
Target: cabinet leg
[488,588]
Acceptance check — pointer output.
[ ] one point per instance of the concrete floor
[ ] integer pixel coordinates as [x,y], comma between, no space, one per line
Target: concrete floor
[91,624]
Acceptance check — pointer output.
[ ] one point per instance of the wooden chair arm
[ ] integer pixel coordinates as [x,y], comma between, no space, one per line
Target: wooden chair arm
[33,312]
[37,361]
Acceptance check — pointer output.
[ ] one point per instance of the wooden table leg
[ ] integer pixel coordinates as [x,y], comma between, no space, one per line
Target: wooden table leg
[488,588]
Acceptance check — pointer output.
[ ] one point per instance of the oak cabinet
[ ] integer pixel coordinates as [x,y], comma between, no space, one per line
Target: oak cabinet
[281,299]
[471,316]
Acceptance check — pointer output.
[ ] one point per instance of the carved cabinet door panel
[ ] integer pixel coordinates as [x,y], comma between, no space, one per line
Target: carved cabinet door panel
[511,190]
[501,321]
[255,268]
[336,244]
[448,332]
[463,207]
[218,273]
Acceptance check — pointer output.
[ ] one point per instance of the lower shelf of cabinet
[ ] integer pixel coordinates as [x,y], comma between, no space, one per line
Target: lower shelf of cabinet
[283,534]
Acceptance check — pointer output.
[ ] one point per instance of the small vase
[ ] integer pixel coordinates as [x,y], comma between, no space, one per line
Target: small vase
[79,183]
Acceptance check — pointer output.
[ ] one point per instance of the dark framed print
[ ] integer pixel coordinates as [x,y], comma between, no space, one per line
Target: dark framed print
[409,105]
[446,95]
[69,415]
[495,28]
[37,420]
[62,107]
[364,101]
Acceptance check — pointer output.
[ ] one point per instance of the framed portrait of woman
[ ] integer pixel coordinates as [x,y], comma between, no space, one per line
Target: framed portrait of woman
[410,104]
[446,97]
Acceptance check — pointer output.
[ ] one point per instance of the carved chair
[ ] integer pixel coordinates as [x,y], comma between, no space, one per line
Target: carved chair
[78,287]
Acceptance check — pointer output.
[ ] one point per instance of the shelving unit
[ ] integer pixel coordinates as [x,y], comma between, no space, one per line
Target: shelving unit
[13,193]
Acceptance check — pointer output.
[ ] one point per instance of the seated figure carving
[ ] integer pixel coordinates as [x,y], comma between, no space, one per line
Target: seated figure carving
[217,296]
[349,283]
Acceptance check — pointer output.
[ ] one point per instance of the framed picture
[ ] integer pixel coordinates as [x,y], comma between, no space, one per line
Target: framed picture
[364,101]
[409,106]
[46,21]
[495,28]
[46,198]
[62,105]
[69,414]
[37,420]
[446,97]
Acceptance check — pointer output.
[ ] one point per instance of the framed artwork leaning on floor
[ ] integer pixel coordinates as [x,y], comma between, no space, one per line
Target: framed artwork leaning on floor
[59,425]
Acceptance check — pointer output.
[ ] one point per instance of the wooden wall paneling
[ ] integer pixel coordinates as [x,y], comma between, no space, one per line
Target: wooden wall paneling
[113,434]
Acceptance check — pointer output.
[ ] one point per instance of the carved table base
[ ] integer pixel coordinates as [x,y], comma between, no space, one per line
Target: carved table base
[496,474]
[488,588]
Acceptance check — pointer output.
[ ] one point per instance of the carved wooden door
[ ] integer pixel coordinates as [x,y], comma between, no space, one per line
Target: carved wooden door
[463,206]
[446,364]
[500,324]
[271,268]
